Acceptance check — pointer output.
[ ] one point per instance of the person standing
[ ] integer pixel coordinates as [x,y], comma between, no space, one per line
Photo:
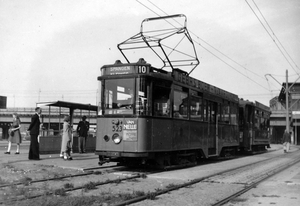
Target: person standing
[286,141]
[34,129]
[66,139]
[82,131]
[14,134]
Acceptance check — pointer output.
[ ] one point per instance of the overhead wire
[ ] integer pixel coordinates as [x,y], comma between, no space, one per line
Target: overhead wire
[211,47]
[208,44]
[275,35]
[271,35]
[216,50]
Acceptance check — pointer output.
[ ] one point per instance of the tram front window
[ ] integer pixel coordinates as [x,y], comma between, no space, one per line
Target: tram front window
[119,96]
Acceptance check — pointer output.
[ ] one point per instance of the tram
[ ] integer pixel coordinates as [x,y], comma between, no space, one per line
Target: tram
[162,116]
[254,126]
[151,115]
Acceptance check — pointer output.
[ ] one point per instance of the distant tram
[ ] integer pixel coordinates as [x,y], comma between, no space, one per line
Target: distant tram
[150,116]
[254,126]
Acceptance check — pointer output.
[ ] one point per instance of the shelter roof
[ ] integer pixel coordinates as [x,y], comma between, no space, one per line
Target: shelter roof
[70,105]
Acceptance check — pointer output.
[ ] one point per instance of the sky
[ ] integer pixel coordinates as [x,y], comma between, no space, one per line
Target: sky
[53,49]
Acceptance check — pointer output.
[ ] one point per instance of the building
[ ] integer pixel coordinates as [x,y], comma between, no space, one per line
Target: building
[279,113]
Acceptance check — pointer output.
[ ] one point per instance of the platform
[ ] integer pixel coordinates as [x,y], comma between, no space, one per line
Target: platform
[79,162]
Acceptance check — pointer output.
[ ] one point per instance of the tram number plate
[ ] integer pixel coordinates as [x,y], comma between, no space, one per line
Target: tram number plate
[142,69]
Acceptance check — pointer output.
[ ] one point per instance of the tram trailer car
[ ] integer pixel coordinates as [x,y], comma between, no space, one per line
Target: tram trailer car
[151,116]
[254,126]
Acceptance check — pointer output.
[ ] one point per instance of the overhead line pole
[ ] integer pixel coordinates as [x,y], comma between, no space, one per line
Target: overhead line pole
[287,89]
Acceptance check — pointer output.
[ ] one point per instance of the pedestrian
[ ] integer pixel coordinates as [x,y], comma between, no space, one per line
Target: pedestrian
[286,141]
[34,129]
[14,134]
[66,139]
[82,131]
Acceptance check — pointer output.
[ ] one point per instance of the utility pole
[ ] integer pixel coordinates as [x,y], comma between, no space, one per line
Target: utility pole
[39,95]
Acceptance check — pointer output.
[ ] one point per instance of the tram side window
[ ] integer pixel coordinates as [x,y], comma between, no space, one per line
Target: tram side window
[250,114]
[180,106]
[233,115]
[226,113]
[220,114]
[142,102]
[241,117]
[256,120]
[263,123]
[196,108]
[205,110]
[212,111]
[161,101]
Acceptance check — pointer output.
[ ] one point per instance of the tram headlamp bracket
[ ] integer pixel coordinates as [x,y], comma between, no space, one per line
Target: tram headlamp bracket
[116,138]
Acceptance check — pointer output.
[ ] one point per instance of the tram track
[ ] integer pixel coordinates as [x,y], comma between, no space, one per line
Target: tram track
[87,171]
[68,190]
[230,172]
[255,183]
[132,175]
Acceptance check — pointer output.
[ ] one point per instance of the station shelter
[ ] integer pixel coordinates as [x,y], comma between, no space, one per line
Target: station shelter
[51,133]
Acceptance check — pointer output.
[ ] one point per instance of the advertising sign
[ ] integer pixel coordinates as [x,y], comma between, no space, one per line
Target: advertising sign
[130,130]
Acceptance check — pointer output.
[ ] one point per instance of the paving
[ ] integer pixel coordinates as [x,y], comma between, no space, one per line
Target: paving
[79,162]
[209,169]
[282,189]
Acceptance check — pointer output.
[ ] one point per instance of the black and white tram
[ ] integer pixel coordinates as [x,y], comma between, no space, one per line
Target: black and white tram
[254,126]
[156,116]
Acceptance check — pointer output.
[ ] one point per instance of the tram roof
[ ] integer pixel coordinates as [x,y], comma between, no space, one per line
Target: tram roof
[70,105]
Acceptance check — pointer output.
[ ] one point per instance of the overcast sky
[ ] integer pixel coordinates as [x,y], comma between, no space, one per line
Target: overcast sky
[53,49]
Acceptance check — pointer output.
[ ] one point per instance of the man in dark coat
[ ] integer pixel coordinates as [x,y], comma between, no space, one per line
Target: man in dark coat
[286,141]
[34,129]
[82,131]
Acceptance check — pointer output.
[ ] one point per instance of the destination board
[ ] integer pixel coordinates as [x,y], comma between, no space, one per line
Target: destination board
[129,69]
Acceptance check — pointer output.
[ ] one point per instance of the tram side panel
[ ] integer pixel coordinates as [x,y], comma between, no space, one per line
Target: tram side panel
[155,135]
[260,137]
[198,137]
[181,134]
[228,138]
[144,134]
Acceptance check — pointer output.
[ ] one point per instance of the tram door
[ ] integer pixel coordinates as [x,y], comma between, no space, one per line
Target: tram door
[250,112]
[213,128]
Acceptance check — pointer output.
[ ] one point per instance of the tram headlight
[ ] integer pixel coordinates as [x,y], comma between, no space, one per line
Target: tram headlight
[117,138]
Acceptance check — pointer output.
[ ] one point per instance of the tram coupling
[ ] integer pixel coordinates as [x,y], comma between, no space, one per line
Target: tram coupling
[103,160]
